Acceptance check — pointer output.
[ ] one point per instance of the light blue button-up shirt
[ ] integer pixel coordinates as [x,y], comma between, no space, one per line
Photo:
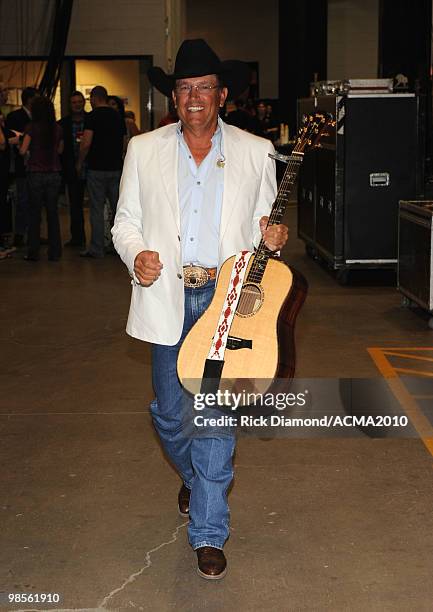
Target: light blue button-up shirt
[200,200]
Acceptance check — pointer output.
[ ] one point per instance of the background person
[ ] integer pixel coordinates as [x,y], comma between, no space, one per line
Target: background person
[17,120]
[73,129]
[239,117]
[43,140]
[5,108]
[263,124]
[102,147]
[4,183]
[170,117]
[131,128]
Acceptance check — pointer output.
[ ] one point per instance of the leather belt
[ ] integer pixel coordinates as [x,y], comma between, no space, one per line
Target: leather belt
[197,276]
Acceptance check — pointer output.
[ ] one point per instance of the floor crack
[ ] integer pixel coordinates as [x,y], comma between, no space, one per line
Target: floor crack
[135,575]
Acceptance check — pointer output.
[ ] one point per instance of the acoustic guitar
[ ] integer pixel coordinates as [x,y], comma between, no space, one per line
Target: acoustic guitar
[245,338]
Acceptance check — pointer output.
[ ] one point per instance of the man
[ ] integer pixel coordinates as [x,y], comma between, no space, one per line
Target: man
[5,220]
[191,193]
[102,147]
[73,128]
[239,117]
[5,108]
[18,120]
[262,124]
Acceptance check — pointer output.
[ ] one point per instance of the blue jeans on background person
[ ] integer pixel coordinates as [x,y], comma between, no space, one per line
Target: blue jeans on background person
[22,211]
[101,184]
[5,209]
[44,188]
[204,463]
[76,189]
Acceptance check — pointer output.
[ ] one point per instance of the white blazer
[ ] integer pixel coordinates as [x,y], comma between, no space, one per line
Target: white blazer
[148,218]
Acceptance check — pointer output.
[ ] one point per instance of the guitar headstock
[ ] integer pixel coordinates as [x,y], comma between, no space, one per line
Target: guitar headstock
[313,128]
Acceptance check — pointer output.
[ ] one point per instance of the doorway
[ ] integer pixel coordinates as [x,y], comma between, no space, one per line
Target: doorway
[122,77]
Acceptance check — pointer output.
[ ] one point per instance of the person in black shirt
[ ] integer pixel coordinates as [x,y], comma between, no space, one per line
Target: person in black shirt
[17,121]
[102,148]
[262,124]
[239,117]
[73,128]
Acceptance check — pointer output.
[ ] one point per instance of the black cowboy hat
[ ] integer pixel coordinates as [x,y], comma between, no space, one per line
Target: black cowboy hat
[194,59]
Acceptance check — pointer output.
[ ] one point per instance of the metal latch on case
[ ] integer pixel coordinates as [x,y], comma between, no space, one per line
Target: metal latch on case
[379,179]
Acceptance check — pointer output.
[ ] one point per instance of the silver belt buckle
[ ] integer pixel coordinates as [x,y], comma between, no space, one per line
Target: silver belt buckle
[195,276]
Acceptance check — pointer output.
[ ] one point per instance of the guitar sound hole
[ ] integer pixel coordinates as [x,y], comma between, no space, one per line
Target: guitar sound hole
[250,301]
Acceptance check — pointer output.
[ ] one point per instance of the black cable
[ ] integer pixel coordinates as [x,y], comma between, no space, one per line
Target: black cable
[62,20]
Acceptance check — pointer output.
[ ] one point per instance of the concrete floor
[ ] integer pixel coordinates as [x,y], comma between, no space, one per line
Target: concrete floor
[88,503]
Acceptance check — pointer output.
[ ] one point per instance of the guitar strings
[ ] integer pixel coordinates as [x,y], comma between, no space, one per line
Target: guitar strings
[262,255]
[258,267]
[248,298]
[255,274]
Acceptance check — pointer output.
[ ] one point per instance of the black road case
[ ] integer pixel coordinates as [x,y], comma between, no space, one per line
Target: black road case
[415,252]
[349,188]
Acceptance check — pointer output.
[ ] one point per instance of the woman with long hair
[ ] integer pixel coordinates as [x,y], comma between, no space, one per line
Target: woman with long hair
[43,143]
[131,128]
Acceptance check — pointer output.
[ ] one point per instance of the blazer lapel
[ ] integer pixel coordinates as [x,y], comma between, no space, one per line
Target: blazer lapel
[234,155]
[168,160]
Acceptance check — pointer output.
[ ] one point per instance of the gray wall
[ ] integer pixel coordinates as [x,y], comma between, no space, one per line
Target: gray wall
[124,27]
[98,27]
[25,26]
[353,31]
[240,30]
[249,30]
[245,30]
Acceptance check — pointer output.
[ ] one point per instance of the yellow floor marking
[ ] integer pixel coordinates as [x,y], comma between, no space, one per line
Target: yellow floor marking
[392,349]
[414,372]
[407,401]
[407,356]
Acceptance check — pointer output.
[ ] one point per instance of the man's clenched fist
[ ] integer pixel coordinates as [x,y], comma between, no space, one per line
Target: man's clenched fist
[147,267]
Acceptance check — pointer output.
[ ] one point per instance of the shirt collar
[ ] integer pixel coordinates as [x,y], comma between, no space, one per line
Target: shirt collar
[216,134]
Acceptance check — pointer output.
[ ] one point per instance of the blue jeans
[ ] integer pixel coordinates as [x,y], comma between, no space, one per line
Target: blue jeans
[204,463]
[101,184]
[76,188]
[22,206]
[44,188]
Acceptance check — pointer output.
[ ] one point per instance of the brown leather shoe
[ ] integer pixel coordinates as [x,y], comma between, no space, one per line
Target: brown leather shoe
[212,563]
[183,500]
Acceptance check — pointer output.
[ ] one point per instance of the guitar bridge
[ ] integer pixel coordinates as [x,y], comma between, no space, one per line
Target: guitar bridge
[233,343]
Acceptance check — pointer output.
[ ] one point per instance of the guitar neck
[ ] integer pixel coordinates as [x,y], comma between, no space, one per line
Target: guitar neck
[262,254]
